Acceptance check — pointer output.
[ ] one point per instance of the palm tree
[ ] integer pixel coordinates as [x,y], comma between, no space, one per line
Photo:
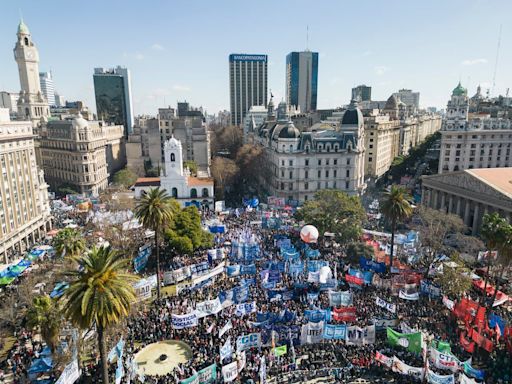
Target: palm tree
[45,314]
[396,208]
[493,232]
[155,210]
[69,242]
[100,294]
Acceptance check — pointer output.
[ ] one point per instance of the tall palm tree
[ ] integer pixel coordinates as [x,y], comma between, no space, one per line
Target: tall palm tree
[45,314]
[100,294]
[155,211]
[493,232]
[396,208]
[69,242]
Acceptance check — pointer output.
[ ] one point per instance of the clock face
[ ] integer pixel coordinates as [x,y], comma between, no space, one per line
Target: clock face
[30,55]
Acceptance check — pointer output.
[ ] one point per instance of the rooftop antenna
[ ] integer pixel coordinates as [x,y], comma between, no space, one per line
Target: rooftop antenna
[307,37]
[496,62]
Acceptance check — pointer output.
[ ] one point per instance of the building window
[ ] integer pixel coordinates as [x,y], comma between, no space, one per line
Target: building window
[282,163]
[326,161]
[335,173]
[193,192]
[306,185]
[326,173]
[306,174]
[319,173]
[348,161]
[290,186]
[290,163]
[319,161]
[370,159]
[282,186]
[335,161]
[205,192]
[174,192]
[305,197]
[348,172]
[347,185]
[307,162]
[291,174]
[173,157]
[282,172]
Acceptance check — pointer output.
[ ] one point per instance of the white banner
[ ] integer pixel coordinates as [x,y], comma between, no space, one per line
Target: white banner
[387,361]
[242,360]
[70,374]
[408,296]
[313,277]
[312,333]
[230,372]
[245,308]
[225,328]
[434,378]
[226,350]
[450,304]
[360,336]
[208,307]
[466,380]
[142,289]
[444,361]
[214,272]
[405,369]
[406,329]
[184,321]
[384,304]
[244,342]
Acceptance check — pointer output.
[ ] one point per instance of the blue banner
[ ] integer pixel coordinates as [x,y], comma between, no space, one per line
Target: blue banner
[312,253]
[335,331]
[317,315]
[315,265]
[233,270]
[429,289]
[248,269]
[282,334]
[330,284]
[274,276]
[470,371]
[495,319]
[140,261]
[372,265]
[296,268]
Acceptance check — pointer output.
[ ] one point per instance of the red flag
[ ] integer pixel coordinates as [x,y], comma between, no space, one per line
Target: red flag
[468,345]
[354,279]
[347,314]
[480,318]
[477,338]
[487,344]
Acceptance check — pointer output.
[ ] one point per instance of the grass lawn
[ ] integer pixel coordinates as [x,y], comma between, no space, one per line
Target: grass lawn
[8,342]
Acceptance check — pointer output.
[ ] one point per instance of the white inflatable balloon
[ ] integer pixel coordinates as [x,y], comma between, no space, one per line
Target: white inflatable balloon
[309,234]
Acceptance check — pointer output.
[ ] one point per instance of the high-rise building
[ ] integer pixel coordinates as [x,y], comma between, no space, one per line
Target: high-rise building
[24,209]
[112,88]
[362,93]
[46,80]
[247,84]
[408,97]
[302,80]
[9,100]
[32,105]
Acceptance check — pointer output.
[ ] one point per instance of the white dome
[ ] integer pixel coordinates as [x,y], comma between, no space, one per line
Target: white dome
[79,122]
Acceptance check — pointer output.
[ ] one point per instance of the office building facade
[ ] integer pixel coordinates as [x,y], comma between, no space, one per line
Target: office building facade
[24,207]
[248,81]
[112,89]
[362,93]
[408,97]
[47,88]
[302,80]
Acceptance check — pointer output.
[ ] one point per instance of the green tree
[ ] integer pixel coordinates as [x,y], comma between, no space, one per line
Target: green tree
[455,278]
[69,242]
[357,249]
[125,178]
[434,227]
[45,315]
[396,208]
[100,294]
[334,211]
[67,189]
[186,233]
[192,166]
[156,210]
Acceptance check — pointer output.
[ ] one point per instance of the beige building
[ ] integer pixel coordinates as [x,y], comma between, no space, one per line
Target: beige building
[24,210]
[391,132]
[470,194]
[473,140]
[81,154]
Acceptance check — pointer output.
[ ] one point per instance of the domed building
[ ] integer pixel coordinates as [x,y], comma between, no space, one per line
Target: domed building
[305,162]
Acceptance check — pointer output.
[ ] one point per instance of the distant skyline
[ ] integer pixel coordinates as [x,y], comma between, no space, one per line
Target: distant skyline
[179,50]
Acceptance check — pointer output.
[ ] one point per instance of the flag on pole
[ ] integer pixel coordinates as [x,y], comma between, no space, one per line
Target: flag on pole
[280,351]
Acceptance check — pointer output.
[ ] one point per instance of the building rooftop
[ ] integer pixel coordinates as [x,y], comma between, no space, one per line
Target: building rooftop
[497,178]
[147,182]
[196,181]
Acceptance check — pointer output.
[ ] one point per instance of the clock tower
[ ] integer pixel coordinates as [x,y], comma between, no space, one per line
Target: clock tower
[32,105]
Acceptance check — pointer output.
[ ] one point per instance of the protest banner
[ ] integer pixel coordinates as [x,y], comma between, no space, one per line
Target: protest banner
[338,299]
[70,374]
[387,361]
[184,321]
[434,378]
[142,289]
[372,265]
[230,372]
[225,328]
[408,296]
[316,315]
[353,280]
[312,333]
[360,336]
[400,367]
[280,351]
[429,289]
[208,307]
[245,308]
[382,324]
[335,331]
[226,350]
[384,304]
[245,342]
[346,314]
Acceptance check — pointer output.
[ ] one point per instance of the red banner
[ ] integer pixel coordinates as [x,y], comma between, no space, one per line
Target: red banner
[354,280]
[346,314]
[477,337]
[468,345]
[480,319]
[487,344]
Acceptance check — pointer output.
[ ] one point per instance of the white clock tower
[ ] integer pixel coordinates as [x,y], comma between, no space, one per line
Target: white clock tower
[32,105]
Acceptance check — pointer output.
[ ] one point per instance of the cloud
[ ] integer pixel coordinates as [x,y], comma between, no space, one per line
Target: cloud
[381,69]
[157,47]
[139,56]
[474,61]
[181,88]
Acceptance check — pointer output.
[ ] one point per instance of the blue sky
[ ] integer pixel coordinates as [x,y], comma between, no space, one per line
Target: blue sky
[179,50]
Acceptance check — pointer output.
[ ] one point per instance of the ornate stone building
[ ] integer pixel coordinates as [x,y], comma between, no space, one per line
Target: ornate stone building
[470,194]
[303,163]
[24,209]
[473,141]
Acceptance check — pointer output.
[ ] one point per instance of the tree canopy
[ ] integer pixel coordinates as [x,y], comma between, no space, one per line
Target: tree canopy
[125,178]
[455,278]
[334,211]
[185,235]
